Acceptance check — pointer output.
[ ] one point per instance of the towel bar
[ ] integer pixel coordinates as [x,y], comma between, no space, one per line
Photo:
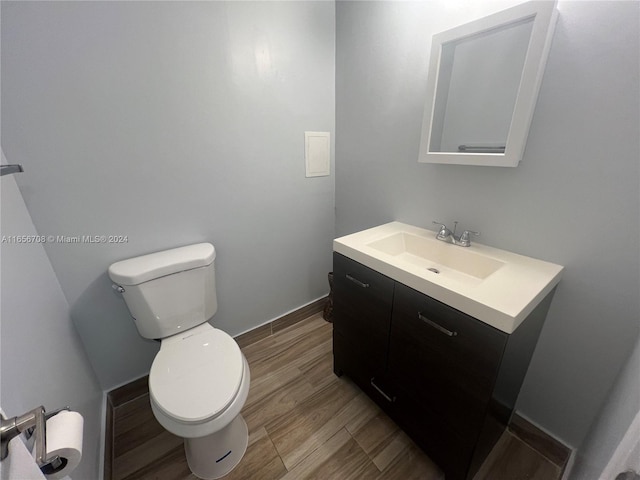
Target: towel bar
[482,148]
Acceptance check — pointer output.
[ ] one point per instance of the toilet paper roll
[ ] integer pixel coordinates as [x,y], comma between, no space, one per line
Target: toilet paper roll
[64,438]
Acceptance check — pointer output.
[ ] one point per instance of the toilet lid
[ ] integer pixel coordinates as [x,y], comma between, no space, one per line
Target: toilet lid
[196,376]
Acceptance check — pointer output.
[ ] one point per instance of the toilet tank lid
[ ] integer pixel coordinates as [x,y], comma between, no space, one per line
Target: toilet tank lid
[135,271]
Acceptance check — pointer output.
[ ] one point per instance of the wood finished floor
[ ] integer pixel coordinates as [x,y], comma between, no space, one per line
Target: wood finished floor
[305,423]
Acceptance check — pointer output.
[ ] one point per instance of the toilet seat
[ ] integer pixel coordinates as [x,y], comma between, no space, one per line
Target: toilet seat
[196,375]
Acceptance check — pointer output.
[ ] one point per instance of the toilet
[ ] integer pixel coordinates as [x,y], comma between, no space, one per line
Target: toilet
[199,380]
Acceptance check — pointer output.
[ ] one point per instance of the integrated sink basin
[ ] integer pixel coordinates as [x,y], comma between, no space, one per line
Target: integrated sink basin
[495,286]
[437,256]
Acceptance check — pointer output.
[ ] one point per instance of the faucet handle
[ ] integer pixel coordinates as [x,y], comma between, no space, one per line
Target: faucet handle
[444,231]
[465,239]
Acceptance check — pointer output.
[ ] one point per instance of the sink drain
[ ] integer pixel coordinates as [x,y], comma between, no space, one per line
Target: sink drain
[434,270]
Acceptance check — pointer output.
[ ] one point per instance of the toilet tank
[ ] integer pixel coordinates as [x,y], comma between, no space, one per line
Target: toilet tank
[169,292]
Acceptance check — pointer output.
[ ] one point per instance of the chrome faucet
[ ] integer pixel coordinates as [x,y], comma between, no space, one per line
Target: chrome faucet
[446,235]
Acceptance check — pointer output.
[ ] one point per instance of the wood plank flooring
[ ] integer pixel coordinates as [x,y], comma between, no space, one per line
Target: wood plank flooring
[304,423]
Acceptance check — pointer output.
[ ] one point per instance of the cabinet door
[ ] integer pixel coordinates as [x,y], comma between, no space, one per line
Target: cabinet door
[445,360]
[362,301]
[451,452]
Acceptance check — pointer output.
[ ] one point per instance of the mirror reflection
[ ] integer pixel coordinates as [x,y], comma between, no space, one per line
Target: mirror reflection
[477,88]
[483,84]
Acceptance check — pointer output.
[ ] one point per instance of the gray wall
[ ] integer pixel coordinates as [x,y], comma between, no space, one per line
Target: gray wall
[42,361]
[613,421]
[179,122]
[574,200]
[172,123]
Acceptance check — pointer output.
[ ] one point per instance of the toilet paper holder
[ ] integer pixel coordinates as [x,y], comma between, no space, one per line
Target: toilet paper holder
[33,422]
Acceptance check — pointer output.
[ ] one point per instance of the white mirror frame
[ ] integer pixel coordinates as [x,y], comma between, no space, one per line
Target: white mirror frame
[544,16]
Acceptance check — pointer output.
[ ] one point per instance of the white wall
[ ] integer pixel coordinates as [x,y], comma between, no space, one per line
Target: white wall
[573,200]
[173,123]
[42,361]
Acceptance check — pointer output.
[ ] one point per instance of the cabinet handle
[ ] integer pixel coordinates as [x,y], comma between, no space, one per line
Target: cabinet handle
[357,282]
[386,397]
[433,324]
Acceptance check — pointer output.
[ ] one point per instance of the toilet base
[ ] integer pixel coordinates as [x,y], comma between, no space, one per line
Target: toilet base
[217,454]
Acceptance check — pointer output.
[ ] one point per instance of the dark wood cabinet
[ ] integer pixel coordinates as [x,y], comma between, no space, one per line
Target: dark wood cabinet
[364,299]
[461,356]
[449,380]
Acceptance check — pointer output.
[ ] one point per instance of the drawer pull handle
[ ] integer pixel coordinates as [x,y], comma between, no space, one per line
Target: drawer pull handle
[357,282]
[386,397]
[433,324]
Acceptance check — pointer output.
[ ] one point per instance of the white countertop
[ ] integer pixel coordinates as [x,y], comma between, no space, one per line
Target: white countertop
[503,299]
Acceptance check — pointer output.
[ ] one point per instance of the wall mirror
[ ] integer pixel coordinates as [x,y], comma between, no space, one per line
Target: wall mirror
[483,84]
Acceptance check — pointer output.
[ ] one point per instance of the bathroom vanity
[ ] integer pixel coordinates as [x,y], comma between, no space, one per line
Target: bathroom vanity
[444,354]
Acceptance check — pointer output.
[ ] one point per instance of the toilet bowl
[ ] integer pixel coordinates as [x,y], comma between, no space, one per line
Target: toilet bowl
[198,383]
[199,380]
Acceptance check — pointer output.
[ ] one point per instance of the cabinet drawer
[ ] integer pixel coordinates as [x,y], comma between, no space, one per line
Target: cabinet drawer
[362,301]
[445,358]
